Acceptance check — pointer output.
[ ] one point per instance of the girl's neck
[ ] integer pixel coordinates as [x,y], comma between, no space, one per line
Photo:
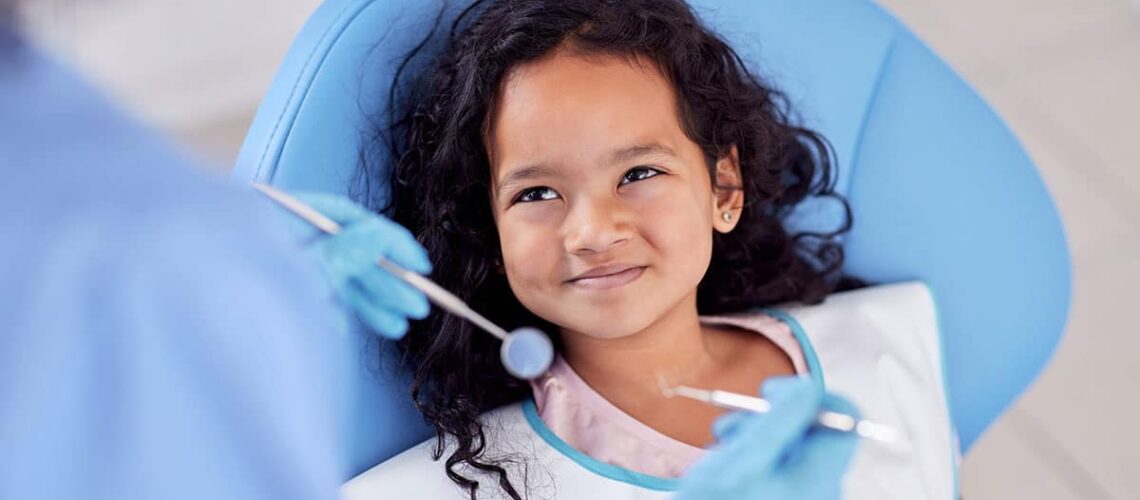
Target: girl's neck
[623,371]
[625,368]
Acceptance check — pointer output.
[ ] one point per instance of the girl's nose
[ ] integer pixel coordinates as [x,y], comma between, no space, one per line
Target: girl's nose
[595,226]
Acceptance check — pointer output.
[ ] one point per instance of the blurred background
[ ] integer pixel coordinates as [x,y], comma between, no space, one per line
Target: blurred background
[1065,74]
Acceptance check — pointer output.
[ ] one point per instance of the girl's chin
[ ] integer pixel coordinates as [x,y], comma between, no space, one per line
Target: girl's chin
[605,328]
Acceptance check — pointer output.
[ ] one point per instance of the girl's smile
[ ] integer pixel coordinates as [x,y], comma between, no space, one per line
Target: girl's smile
[606,277]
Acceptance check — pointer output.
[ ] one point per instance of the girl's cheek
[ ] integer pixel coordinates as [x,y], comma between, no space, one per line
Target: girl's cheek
[537,215]
[674,217]
[670,197]
[530,240]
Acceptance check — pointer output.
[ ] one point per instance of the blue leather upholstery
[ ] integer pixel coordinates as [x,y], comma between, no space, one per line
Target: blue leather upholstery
[941,190]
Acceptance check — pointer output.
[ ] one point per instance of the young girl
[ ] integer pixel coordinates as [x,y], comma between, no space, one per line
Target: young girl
[612,172]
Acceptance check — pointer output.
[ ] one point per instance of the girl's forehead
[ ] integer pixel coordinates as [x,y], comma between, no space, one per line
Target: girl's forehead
[578,109]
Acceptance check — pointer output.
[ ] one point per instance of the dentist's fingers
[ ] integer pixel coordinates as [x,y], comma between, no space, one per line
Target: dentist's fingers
[387,323]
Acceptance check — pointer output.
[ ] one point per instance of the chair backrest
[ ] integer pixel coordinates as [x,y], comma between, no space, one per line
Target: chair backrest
[940,189]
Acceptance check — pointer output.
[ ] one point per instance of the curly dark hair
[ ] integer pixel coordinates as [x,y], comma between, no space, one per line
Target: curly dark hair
[440,185]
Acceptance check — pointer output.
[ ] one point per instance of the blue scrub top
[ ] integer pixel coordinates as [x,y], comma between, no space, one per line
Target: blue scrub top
[160,335]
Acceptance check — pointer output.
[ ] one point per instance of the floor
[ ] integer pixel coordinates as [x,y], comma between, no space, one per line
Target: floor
[1064,73]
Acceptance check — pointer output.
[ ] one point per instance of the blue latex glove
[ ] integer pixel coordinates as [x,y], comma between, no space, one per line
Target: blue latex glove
[348,259]
[777,455]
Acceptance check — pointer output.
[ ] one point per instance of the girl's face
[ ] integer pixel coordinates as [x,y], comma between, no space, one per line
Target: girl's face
[604,206]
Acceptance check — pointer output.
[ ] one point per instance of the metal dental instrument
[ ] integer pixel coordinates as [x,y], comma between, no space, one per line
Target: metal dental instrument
[526,352]
[881,433]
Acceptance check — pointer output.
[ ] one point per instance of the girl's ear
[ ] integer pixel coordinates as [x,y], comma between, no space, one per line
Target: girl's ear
[728,192]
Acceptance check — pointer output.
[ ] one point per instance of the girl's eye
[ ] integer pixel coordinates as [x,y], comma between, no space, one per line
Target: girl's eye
[536,194]
[638,174]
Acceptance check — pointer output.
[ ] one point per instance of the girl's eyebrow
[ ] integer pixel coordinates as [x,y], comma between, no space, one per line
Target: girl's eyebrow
[638,150]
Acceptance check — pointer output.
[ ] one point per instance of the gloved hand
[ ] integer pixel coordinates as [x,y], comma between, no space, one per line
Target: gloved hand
[348,259]
[777,455]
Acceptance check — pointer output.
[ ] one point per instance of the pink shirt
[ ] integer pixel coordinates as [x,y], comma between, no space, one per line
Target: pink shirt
[588,422]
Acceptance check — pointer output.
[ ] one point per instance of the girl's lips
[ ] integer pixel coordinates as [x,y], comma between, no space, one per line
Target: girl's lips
[610,280]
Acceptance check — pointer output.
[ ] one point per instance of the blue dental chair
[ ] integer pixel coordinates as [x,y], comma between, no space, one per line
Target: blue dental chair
[941,191]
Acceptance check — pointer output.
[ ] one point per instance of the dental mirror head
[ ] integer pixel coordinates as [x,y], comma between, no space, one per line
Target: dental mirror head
[527,353]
